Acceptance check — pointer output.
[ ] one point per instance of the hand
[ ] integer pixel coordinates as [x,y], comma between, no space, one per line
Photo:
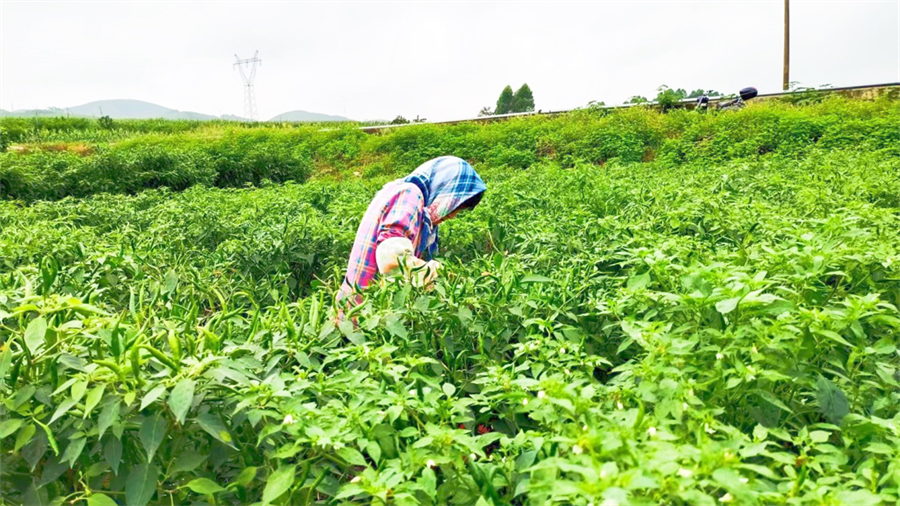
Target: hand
[426,273]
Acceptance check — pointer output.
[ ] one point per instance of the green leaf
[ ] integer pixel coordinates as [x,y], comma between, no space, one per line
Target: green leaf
[639,281]
[859,497]
[278,483]
[24,436]
[152,395]
[34,335]
[153,430]
[188,461]
[449,389]
[73,451]
[108,416]
[93,398]
[374,451]
[819,436]
[352,456]
[112,453]
[141,484]
[62,409]
[832,401]
[100,500]
[10,426]
[771,399]
[834,336]
[181,398]
[394,325]
[78,390]
[204,486]
[728,305]
[535,278]
[245,478]
[5,360]
[214,426]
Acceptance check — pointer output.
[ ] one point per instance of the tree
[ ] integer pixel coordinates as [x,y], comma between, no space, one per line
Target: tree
[419,120]
[399,120]
[485,111]
[105,122]
[505,102]
[523,100]
[637,99]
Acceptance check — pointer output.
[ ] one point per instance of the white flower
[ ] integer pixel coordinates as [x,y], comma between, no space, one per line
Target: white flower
[684,473]
[652,431]
[472,456]
[430,463]
[356,173]
[524,402]
[412,393]
[744,480]
[562,351]
[619,405]
[584,428]
[541,394]
[288,419]
[366,349]
[577,450]
[355,479]
[568,372]
[691,392]
[709,430]
[719,356]
[726,498]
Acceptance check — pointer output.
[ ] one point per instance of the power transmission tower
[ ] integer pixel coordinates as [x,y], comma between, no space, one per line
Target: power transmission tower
[247,69]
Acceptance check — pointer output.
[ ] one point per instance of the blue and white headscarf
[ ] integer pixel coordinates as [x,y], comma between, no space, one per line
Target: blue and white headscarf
[446,183]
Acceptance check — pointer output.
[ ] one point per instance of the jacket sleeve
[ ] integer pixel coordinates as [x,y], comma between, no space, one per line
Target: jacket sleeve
[403,218]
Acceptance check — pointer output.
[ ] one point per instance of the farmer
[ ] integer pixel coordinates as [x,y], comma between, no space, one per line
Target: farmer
[402,220]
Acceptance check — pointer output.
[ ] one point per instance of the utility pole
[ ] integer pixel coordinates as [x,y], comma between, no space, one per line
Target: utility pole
[786,81]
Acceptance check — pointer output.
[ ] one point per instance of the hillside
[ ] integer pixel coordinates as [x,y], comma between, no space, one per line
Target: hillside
[139,109]
[304,116]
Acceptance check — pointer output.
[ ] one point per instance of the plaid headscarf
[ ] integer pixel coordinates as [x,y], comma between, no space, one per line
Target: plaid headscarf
[446,183]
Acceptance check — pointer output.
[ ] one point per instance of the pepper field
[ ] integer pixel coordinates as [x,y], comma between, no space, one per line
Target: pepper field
[645,309]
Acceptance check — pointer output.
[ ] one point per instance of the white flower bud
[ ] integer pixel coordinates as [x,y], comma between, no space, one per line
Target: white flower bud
[288,419]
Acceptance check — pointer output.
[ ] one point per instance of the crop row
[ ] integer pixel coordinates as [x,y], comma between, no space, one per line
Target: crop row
[223,156]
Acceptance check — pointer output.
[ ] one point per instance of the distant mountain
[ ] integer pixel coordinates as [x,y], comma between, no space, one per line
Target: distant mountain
[293,116]
[138,109]
[132,109]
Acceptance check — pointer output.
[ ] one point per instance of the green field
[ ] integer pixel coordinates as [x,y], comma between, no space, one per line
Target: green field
[646,309]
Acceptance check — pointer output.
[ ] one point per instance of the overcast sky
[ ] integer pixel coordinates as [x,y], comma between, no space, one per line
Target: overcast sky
[439,60]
